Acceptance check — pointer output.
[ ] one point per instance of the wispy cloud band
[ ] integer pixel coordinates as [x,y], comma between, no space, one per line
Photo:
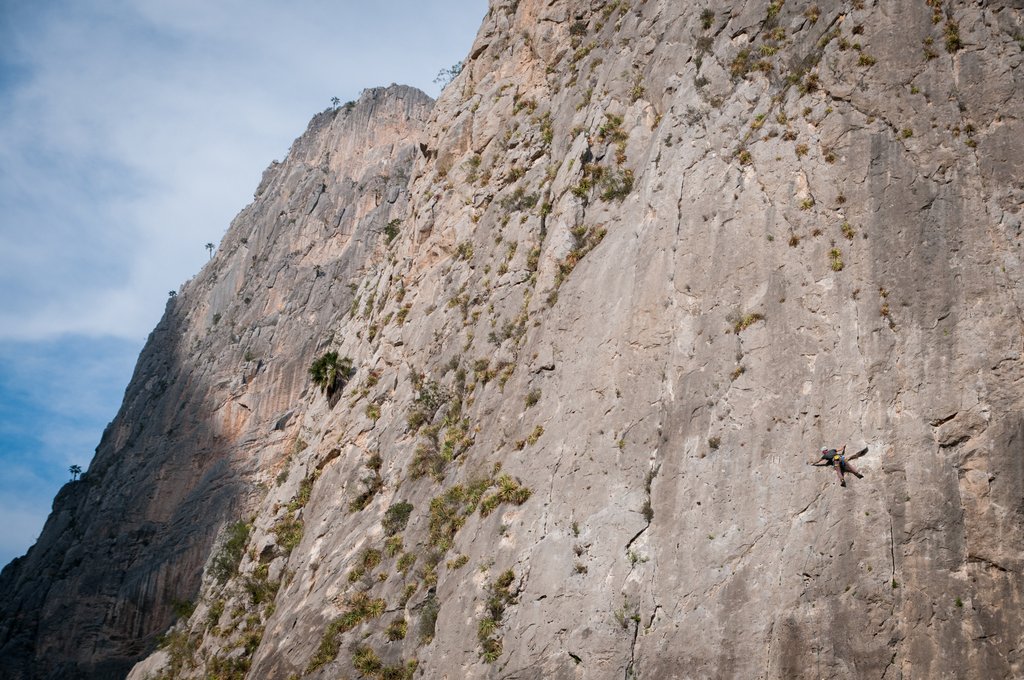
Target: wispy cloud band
[131,132]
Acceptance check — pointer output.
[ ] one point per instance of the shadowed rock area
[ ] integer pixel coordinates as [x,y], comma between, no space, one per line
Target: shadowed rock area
[603,303]
[209,415]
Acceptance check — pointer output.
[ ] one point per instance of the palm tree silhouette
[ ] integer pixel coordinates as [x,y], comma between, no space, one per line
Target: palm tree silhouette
[330,372]
[335,102]
[209,246]
[75,470]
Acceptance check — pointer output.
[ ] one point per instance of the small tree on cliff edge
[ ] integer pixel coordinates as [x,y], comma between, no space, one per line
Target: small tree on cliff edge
[330,372]
[447,75]
[75,470]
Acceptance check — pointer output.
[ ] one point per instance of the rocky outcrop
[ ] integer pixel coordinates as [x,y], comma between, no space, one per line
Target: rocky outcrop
[652,258]
[209,416]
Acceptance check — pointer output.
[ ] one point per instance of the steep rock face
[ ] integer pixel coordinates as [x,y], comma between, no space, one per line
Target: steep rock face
[209,414]
[652,258]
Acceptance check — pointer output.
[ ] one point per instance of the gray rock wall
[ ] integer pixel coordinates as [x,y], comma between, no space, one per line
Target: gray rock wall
[652,258]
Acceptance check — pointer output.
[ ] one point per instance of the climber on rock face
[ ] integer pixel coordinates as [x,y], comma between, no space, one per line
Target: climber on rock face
[838,460]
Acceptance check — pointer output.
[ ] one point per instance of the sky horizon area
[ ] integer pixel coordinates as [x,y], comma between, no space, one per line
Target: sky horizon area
[131,133]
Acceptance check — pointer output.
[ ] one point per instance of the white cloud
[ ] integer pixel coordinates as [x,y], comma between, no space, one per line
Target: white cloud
[55,399]
[131,132]
[135,130]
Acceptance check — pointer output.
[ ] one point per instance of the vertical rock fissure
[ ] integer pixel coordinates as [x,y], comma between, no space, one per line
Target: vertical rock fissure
[629,544]
[892,661]
[892,550]
[632,650]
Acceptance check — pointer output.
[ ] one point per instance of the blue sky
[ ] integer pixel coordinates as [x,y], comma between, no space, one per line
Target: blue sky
[131,132]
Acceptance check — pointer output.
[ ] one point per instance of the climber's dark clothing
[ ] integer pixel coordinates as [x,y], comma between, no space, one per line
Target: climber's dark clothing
[837,459]
[831,454]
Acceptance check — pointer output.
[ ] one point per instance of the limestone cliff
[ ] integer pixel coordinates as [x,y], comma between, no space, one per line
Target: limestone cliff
[210,415]
[642,261]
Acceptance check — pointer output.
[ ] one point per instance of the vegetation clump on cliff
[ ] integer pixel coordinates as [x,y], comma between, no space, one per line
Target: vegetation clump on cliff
[330,373]
[225,564]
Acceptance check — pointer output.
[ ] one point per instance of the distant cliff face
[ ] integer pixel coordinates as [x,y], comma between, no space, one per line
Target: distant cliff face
[648,258]
[210,414]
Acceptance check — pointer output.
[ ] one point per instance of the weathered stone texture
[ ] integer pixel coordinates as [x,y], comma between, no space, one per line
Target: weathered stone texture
[652,258]
[205,419]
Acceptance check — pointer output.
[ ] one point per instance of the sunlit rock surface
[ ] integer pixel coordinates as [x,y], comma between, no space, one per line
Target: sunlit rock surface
[603,301]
